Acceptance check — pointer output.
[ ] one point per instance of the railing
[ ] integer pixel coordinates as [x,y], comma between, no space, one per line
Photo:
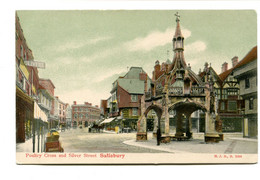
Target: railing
[197,91]
[176,91]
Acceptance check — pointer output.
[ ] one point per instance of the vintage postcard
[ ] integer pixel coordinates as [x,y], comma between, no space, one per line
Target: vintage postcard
[136,86]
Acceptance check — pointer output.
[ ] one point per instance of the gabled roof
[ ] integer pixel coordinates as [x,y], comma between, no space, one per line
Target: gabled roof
[225,74]
[132,86]
[134,72]
[41,79]
[131,82]
[203,73]
[251,56]
[195,76]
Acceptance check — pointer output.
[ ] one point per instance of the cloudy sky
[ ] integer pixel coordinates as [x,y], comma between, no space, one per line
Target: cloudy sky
[85,51]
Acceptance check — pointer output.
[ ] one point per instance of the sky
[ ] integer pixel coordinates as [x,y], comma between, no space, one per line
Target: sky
[85,51]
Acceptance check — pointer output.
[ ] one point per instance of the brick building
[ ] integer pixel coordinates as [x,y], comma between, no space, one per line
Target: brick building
[230,103]
[84,115]
[246,74]
[125,101]
[24,99]
[46,94]
[68,116]
[60,110]
[104,108]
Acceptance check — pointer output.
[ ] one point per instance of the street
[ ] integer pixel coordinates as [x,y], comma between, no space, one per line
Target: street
[78,140]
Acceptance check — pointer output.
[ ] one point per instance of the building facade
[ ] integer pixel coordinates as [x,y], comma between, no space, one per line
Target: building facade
[68,116]
[60,111]
[230,104]
[125,101]
[24,98]
[31,120]
[84,115]
[104,108]
[246,74]
[47,91]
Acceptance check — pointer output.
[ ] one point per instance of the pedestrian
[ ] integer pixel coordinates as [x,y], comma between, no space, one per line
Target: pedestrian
[158,135]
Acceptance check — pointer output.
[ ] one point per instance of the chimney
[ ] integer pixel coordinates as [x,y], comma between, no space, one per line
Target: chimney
[234,61]
[142,76]
[75,102]
[86,103]
[96,106]
[224,67]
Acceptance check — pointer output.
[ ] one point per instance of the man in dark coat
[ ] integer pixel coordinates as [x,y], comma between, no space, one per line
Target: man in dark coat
[158,134]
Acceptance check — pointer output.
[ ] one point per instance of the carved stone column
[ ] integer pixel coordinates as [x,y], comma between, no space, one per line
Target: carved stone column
[141,123]
[179,128]
[211,135]
[155,122]
[166,115]
[188,126]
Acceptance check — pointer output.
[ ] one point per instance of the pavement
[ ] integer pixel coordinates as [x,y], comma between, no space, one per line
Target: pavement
[231,144]
[27,146]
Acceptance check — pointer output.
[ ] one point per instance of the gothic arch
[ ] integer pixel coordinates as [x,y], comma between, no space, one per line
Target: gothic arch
[187,105]
[156,108]
[184,109]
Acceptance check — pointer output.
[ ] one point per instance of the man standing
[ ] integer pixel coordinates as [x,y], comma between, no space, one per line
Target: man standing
[158,134]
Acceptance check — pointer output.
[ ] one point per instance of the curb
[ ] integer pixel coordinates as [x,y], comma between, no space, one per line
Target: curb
[158,148]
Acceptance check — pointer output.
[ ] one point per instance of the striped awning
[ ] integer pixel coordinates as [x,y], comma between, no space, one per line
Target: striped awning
[108,120]
[39,114]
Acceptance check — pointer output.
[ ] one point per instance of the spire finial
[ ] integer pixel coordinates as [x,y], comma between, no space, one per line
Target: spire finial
[177,17]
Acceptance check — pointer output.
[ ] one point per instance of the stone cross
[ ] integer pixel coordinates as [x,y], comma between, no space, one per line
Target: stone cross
[177,16]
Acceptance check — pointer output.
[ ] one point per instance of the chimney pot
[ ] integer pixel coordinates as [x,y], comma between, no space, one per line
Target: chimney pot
[234,61]
[224,67]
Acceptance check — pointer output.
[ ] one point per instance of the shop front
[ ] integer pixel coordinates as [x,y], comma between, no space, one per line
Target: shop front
[24,116]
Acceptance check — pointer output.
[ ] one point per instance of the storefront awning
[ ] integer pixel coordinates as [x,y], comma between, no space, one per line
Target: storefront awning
[39,114]
[108,120]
